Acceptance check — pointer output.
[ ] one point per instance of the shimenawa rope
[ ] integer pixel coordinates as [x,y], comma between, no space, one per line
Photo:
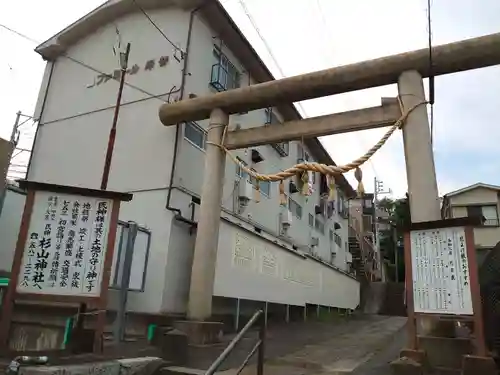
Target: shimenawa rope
[330,170]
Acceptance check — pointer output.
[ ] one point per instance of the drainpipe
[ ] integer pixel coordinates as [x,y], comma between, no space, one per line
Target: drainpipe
[177,211]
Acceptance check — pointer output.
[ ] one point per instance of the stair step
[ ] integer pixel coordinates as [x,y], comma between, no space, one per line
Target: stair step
[179,370]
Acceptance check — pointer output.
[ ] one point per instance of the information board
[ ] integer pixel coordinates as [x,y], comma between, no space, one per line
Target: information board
[440,269]
[66,244]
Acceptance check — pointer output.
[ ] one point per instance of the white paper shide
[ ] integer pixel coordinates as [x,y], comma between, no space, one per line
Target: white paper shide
[441,282]
[66,245]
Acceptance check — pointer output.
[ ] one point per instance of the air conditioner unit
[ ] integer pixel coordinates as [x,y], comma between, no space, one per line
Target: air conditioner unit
[245,192]
[286,218]
[285,221]
[314,241]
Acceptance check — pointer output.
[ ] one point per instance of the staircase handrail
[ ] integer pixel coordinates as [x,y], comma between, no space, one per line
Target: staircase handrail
[259,346]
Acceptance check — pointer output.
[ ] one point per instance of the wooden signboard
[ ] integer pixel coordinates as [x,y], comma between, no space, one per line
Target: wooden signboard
[441,275]
[64,250]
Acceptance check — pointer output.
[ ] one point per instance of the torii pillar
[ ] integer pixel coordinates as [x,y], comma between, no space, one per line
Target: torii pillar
[419,158]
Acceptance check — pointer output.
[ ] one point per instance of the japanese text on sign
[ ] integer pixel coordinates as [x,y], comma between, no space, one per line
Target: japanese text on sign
[441,282]
[66,244]
[134,69]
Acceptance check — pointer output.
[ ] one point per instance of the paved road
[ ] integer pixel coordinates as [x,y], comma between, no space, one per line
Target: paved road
[379,363]
[322,346]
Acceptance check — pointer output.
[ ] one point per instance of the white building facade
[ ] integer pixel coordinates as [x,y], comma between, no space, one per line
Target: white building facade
[163,166]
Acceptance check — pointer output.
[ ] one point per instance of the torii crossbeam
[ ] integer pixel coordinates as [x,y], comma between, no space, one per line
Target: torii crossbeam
[405,69]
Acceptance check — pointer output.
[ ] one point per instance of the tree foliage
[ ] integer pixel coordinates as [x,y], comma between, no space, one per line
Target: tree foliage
[391,240]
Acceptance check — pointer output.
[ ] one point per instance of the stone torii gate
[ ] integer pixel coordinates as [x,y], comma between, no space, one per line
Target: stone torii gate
[407,70]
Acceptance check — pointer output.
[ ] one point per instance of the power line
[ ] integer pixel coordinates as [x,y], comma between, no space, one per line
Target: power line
[19,34]
[266,45]
[327,30]
[158,28]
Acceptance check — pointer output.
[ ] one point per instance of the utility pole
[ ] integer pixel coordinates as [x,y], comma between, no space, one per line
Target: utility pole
[82,311]
[13,140]
[112,133]
[378,190]
[396,250]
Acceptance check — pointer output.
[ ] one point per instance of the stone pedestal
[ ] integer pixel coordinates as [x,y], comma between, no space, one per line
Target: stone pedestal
[200,333]
[406,366]
[418,356]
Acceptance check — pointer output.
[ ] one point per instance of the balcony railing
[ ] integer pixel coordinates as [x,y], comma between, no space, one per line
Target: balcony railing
[222,80]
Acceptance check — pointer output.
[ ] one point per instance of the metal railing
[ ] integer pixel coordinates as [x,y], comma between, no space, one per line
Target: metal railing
[258,347]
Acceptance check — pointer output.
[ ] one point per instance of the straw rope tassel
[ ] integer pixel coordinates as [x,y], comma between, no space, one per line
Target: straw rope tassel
[331,188]
[257,191]
[282,193]
[358,175]
[305,183]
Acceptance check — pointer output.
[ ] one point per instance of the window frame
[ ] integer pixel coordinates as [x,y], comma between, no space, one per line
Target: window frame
[488,222]
[230,71]
[202,131]
[121,227]
[297,206]
[282,148]
[253,182]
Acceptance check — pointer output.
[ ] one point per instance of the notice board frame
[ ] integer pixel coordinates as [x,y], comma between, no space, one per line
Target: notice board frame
[98,302]
[468,225]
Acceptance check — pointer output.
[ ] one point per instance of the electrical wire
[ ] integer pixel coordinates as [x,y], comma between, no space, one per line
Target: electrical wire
[327,30]
[266,45]
[19,34]
[87,66]
[183,54]
[431,69]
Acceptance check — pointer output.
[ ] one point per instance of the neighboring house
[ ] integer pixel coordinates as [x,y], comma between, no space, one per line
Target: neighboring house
[163,166]
[478,200]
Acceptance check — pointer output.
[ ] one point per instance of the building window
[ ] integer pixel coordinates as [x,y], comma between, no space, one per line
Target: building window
[139,258]
[195,134]
[302,155]
[338,240]
[224,75]
[271,119]
[264,186]
[319,226]
[488,213]
[295,208]
[239,171]
[311,220]
[342,206]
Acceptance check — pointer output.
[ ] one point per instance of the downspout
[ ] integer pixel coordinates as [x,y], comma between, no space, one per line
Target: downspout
[46,94]
[177,211]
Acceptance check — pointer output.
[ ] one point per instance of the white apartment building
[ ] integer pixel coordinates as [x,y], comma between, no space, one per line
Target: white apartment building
[163,166]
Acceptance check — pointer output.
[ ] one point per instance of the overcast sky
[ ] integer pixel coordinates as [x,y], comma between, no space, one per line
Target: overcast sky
[308,35]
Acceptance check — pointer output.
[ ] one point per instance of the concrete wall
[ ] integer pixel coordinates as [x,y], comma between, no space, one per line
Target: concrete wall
[250,267]
[73,133]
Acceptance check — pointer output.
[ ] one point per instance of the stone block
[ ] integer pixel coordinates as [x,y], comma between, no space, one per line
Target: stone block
[406,366]
[445,352]
[94,368]
[200,333]
[473,365]
[140,366]
[418,356]
[174,347]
